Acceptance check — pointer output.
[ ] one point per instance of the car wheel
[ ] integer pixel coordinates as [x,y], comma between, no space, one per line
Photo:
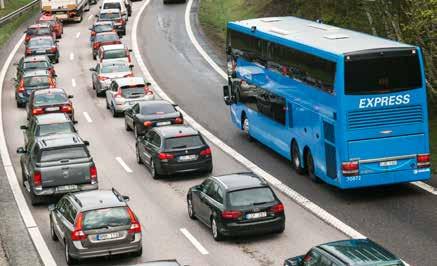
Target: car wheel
[190,209]
[34,200]
[126,125]
[153,171]
[137,154]
[20,105]
[310,168]
[107,104]
[215,230]
[295,159]
[136,133]
[52,231]
[57,60]
[114,112]
[138,253]
[246,127]
[68,259]
[280,230]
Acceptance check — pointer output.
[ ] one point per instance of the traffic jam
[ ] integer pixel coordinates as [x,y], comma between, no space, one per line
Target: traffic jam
[59,170]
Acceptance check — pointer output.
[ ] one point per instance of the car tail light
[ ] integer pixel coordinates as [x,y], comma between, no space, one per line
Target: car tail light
[423,160]
[37,179]
[148,124]
[37,111]
[165,156]
[179,120]
[278,208]
[66,108]
[20,88]
[78,234]
[128,57]
[93,33]
[120,21]
[135,224]
[53,49]
[350,168]
[27,37]
[93,174]
[206,152]
[231,215]
[28,51]
[52,83]
[118,94]
[101,78]
[96,45]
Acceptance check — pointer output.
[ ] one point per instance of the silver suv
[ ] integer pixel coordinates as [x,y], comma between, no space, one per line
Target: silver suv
[94,224]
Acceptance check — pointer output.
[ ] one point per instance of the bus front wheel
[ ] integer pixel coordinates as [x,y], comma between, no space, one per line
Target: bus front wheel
[295,159]
[310,167]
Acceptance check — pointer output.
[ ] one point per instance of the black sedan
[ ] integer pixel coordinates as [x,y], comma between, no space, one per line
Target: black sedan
[173,149]
[47,101]
[147,114]
[236,204]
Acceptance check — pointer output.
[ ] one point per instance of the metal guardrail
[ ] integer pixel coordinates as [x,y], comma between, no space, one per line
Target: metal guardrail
[18,12]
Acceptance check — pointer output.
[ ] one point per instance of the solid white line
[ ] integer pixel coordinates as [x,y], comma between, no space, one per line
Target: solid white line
[73,83]
[194,241]
[123,164]
[71,56]
[87,117]
[426,187]
[78,35]
[25,213]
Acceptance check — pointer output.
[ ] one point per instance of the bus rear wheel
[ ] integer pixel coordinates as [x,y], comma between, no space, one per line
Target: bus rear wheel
[295,159]
[245,125]
[310,167]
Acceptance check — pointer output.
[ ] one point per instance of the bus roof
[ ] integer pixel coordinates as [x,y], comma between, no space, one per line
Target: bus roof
[324,37]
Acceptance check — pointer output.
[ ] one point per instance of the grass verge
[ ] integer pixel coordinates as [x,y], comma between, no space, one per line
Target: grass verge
[13,5]
[6,30]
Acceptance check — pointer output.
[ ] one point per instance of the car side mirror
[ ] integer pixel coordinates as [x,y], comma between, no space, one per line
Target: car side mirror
[226,95]
[52,207]
[126,198]
[23,127]
[295,261]
[96,16]
[75,122]
[130,50]
[70,96]
[55,75]
[21,150]
[175,105]
[92,69]
[131,66]
[86,142]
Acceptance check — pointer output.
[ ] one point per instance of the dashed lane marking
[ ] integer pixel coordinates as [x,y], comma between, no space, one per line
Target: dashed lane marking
[72,56]
[73,83]
[87,117]
[194,241]
[123,164]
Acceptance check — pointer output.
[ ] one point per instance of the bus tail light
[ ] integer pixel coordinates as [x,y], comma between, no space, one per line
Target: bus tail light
[350,168]
[423,160]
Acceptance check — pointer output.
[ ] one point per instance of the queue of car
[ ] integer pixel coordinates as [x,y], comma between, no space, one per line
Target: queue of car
[55,160]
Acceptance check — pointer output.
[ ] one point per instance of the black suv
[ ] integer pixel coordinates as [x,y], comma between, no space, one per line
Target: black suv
[236,204]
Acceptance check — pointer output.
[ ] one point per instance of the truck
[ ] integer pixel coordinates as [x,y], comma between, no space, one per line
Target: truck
[66,10]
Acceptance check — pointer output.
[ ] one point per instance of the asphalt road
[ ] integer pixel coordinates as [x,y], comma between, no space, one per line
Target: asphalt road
[160,205]
[403,218]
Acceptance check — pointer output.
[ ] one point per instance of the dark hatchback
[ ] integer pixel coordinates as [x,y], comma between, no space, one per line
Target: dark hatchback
[38,62]
[236,204]
[47,101]
[148,114]
[351,252]
[99,27]
[43,45]
[30,81]
[173,149]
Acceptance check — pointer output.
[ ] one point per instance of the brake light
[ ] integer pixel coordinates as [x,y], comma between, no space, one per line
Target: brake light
[96,45]
[27,37]
[37,179]
[135,224]
[148,124]
[231,215]
[93,33]
[93,174]
[206,152]
[78,234]
[37,111]
[66,108]
[350,168]
[278,208]
[118,94]
[147,90]
[52,83]
[121,21]
[179,120]
[423,160]
[101,78]
[20,88]
[165,156]
[28,51]
[53,49]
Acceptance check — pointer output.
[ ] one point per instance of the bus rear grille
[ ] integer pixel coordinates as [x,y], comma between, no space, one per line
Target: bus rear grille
[393,116]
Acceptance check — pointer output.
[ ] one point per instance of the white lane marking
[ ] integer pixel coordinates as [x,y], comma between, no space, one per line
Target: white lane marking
[78,35]
[426,187]
[294,195]
[87,117]
[194,241]
[71,56]
[73,83]
[90,17]
[25,213]
[123,164]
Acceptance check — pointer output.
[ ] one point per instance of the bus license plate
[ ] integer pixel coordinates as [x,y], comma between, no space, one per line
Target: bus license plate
[388,163]
[67,188]
[256,215]
[187,158]
[108,236]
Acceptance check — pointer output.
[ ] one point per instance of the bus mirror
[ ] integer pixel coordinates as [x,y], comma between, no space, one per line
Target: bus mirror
[226,96]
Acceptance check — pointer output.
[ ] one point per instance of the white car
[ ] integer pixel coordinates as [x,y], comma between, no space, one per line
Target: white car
[114,52]
[115,4]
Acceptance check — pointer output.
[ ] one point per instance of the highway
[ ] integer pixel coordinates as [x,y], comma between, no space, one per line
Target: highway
[160,205]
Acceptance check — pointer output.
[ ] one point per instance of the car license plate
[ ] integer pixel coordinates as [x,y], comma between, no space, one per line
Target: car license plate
[256,215]
[51,109]
[62,16]
[388,163]
[107,236]
[187,158]
[163,123]
[67,188]
[41,51]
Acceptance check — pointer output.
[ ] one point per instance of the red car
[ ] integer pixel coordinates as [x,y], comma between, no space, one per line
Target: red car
[104,38]
[39,30]
[54,21]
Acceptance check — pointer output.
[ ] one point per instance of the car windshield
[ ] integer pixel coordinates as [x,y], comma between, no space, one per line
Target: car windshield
[107,37]
[111,54]
[105,218]
[36,81]
[132,91]
[39,31]
[36,64]
[114,68]
[103,28]
[50,98]
[114,5]
[35,43]
[47,21]
[252,196]
[183,142]
[69,153]
[162,108]
[58,128]
[109,16]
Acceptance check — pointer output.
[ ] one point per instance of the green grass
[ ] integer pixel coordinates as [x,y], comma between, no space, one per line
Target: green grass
[12,5]
[6,30]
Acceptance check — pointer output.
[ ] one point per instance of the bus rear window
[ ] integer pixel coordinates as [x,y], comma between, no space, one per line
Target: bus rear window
[382,74]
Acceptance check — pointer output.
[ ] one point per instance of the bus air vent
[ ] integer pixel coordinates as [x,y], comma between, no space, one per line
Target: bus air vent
[393,116]
[279,31]
[270,19]
[336,36]
[322,26]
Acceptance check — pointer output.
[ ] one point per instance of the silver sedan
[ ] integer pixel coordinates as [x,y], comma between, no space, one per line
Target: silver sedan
[105,72]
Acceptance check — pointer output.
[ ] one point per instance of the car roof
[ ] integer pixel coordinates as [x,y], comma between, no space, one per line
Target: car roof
[97,199]
[53,118]
[59,140]
[48,91]
[36,58]
[130,81]
[241,180]
[176,131]
[113,47]
[324,37]
[36,72]
[110,10]
[359,252]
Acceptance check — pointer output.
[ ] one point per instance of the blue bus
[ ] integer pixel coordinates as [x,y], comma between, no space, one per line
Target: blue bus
[344,107]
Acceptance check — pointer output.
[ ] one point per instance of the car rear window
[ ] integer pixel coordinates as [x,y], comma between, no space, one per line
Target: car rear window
[36,81]
[103,218]
[58,128]
[35,43]
[103,28]
[69,153]
[107,37]
[115,68]
[132,91]
[110,16]
[111,54]
[152,109]
[49,98]
[39,31]
[252,196]
[183,142]
[36,64]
